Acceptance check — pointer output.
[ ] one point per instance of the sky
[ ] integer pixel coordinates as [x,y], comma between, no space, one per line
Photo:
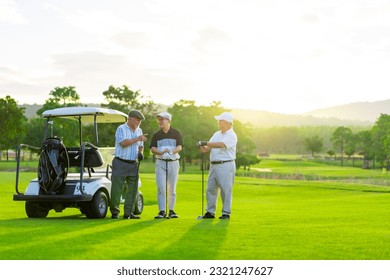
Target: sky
[284,56]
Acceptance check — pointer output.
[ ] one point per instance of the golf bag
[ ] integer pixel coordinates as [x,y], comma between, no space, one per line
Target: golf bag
[53,166]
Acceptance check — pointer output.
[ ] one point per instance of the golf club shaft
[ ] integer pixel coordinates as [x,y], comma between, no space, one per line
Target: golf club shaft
[166,188]
[202,184]
[137,184]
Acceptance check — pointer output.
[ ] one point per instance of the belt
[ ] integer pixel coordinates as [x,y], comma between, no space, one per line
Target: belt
[126,160]
[221,161]
[167,159]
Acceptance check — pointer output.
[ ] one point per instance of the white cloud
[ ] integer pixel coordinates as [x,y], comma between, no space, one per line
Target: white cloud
[9,13]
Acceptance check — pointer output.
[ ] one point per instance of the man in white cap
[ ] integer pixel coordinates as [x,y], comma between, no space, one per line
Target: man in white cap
[222,148]
[166,145]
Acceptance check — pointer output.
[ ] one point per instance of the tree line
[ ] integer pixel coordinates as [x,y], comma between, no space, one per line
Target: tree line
[371,144]
[194,122]
[198,123]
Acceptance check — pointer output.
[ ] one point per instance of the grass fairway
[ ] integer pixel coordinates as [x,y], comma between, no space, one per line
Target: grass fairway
[271,220]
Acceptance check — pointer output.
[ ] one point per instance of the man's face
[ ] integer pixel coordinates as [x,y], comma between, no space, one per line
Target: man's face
[134,122]
[162,122]
[224,125]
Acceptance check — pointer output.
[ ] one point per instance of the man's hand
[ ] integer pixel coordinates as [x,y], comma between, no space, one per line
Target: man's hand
[166,155]
[142,137]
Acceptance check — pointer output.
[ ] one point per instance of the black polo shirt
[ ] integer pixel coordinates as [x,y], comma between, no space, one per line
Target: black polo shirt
[169,140]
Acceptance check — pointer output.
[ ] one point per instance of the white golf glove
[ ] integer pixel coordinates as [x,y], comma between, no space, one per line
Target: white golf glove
[166,155]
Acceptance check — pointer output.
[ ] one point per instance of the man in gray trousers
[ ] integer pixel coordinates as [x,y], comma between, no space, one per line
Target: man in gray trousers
[129,146]
[166,145]
[222,148]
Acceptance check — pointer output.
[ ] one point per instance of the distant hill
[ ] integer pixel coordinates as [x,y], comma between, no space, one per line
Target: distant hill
[362,111]
[30,111]
[269,119]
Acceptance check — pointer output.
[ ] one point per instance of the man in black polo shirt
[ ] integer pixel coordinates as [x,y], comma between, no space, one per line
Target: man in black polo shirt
[166,145]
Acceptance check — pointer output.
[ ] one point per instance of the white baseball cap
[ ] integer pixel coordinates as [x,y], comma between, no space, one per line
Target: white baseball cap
[165,115]
[225,116]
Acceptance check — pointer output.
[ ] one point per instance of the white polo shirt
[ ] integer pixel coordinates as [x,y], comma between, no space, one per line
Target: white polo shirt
[229,138]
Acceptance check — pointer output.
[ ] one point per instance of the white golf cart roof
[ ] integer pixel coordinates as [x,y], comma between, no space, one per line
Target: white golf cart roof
[87,114]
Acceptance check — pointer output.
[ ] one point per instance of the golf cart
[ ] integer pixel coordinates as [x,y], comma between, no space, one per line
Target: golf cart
[70,176]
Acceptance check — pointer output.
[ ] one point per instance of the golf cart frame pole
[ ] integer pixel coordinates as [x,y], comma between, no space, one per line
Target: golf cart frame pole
[46,129]
[17,169]
[20,146]
[96,130]
[80,132]
[82,167]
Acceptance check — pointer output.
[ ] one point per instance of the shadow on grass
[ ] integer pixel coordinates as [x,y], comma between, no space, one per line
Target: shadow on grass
[202,241]
[63,239]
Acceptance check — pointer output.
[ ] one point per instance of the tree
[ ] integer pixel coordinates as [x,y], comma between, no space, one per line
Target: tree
[246,160]
[124,99]
[331,153]
[351,147]
[313,144]
[198,123]
[34,133]
[365,146]
[381,140]
[12,122]
[340,137]
[61,97]
[65,96]
[187,117]
[278,139]
[245,144]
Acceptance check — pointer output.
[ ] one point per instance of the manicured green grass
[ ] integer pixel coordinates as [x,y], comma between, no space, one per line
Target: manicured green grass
[271,220]
[321,169]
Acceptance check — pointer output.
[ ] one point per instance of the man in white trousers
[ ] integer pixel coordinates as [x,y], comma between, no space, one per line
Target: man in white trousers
[166,145]
[222,148]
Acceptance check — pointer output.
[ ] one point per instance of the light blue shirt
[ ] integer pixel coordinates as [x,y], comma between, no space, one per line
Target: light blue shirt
[125,132]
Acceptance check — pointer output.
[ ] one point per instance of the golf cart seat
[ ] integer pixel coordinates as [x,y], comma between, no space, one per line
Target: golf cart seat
[92,158]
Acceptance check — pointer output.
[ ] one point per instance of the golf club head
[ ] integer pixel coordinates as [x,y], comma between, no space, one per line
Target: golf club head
[199,218]
[167,217]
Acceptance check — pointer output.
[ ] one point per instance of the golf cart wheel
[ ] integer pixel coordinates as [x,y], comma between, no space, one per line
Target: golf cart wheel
[36,210]
[97,208]
[139,204]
